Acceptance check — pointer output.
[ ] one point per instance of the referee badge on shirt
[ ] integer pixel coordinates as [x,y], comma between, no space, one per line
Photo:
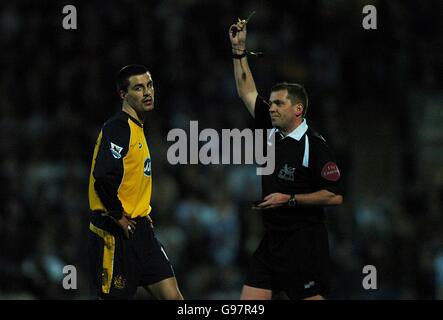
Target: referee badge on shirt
[330,171]
[116,151]
[287,173]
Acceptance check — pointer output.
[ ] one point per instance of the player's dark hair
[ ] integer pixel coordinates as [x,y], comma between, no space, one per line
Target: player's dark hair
[126,72]
[296,93]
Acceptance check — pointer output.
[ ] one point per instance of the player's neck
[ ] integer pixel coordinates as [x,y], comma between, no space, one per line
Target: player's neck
[129,110]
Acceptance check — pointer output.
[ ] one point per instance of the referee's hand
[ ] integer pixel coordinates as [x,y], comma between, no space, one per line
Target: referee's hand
[237,35]
[273,200]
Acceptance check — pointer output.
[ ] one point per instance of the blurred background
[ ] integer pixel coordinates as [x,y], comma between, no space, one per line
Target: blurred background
[375,95]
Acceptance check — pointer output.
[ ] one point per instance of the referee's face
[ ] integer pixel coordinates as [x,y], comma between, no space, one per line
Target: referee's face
[140,94]
[283,113]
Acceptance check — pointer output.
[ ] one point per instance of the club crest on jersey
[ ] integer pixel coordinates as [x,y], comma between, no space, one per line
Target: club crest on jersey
[119,282]
[287,173]
[116,151]
[147,169]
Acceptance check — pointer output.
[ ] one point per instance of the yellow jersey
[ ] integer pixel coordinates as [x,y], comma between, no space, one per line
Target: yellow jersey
[120,180]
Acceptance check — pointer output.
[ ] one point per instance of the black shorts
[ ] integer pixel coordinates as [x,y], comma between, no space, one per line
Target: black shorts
[295,262]
[119,265]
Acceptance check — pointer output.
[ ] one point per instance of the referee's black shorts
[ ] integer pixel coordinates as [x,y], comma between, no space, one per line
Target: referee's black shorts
[119,265]
[295,262]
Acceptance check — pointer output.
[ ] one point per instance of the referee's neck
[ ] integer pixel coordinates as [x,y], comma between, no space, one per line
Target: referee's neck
[297,122]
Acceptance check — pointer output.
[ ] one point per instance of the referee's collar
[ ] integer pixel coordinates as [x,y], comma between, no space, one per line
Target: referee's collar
[297,133]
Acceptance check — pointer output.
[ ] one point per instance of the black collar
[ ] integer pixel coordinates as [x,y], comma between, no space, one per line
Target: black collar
[132,118]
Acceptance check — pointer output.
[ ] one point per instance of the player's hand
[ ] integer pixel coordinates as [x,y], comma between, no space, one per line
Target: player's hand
[237,35]
[127,225]
[273,200]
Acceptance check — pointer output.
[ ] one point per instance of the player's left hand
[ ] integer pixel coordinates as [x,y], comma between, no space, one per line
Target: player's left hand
[273,200]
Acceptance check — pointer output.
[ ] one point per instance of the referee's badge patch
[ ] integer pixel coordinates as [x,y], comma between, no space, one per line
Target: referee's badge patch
[330,171]
[116,151]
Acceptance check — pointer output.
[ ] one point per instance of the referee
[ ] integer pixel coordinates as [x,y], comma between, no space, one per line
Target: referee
[124,252]
[293,255]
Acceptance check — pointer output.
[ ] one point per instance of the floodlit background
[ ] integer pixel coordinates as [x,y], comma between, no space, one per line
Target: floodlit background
[376,96]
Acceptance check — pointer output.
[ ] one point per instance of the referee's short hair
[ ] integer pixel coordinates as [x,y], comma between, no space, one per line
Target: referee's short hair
[125,73]
[296,93]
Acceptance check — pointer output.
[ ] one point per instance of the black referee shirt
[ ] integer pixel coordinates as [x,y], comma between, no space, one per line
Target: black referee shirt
[304,163]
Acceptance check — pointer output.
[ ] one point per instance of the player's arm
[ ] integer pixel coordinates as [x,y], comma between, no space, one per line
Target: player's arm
[108,171]
[243,77]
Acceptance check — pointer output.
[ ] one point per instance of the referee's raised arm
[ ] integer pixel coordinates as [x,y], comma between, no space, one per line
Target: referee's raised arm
[243,77]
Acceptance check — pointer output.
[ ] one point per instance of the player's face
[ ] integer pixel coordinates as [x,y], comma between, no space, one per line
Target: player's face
[140,95]
[282,112]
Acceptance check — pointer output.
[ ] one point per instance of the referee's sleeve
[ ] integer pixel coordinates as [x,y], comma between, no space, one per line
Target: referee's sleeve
[108,170]
[326,170]
[262,118]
